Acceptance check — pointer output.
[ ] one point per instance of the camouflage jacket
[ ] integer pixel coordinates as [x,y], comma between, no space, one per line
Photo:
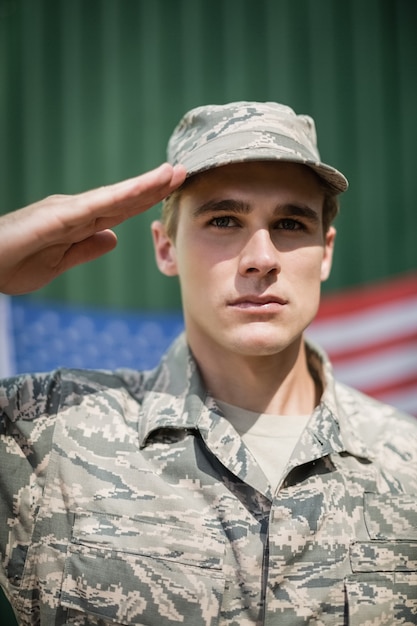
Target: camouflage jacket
[128,499]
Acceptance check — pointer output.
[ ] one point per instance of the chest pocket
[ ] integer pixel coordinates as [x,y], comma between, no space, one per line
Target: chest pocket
[383,586]
[129,571]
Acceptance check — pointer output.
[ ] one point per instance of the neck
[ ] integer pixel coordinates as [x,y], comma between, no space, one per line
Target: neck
[279,384]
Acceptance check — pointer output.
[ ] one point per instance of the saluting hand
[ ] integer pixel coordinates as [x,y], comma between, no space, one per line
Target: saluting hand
[44,239]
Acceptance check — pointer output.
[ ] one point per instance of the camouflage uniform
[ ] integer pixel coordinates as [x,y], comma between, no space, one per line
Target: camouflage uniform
[129,499]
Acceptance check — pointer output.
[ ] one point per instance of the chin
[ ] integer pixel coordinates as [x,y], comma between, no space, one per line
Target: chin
[258,343]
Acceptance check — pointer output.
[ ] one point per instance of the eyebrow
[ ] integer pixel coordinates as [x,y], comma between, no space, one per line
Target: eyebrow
[238,207]
[230,205]
[299,210]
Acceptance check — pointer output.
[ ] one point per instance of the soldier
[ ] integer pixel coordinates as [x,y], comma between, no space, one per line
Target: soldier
[238,483]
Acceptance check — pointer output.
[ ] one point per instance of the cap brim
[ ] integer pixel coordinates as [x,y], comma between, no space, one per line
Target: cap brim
[236,148]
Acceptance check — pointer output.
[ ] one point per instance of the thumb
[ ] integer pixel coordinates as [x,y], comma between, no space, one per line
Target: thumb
[88,249]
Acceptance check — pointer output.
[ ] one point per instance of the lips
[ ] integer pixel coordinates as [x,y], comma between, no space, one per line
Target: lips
[264,302]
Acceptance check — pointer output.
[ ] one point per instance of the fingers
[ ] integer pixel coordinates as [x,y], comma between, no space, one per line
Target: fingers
[179,174]
[52,235]
[72,219]
[123,200]
[132,196]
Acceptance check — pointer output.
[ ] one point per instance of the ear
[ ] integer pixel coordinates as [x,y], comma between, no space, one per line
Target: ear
[326,264]
[165,253]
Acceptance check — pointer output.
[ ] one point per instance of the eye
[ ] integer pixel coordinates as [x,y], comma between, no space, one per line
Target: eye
[223,221]
[288,223]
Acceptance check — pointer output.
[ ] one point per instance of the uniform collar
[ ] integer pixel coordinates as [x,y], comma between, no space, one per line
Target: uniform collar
[333,406]
[175,397]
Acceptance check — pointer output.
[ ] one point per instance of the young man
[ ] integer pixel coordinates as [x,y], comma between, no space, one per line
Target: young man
[238,483]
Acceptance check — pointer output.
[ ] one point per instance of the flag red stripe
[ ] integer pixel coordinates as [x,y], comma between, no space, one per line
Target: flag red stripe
[337,356]
[370,334]
[404,384]
[358,299]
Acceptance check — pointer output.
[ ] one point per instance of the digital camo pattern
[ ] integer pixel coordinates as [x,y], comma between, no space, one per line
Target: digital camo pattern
[128,499]
[214,135]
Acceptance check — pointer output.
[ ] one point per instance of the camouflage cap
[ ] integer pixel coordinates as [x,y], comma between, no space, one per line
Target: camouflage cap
[214,135]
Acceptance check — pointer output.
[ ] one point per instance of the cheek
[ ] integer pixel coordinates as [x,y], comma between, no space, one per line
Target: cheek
[199,259]
[305,267]
[194,269]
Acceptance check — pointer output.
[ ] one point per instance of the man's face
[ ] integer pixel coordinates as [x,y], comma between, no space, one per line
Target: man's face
[250,254]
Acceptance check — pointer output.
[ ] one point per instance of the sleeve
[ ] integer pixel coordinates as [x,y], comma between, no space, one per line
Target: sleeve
[28,406]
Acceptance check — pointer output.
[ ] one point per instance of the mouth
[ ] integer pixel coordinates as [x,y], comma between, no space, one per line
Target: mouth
[258,304]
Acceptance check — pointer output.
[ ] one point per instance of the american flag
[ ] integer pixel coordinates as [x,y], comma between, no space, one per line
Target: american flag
[7,360]
[370,335]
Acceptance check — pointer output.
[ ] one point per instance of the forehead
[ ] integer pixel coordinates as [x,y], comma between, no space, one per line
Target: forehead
[257,178]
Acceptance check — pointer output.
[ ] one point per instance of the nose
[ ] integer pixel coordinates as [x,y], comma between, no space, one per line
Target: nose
[259,255]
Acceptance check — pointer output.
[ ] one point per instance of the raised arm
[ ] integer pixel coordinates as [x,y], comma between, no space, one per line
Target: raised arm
[40,241]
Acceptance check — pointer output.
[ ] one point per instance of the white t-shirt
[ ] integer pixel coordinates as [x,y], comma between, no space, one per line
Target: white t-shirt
[270,438]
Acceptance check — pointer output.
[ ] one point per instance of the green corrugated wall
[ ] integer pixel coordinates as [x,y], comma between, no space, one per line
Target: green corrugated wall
[90,90]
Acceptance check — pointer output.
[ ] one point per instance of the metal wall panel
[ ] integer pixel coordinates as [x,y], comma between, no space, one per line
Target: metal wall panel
[91,89]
